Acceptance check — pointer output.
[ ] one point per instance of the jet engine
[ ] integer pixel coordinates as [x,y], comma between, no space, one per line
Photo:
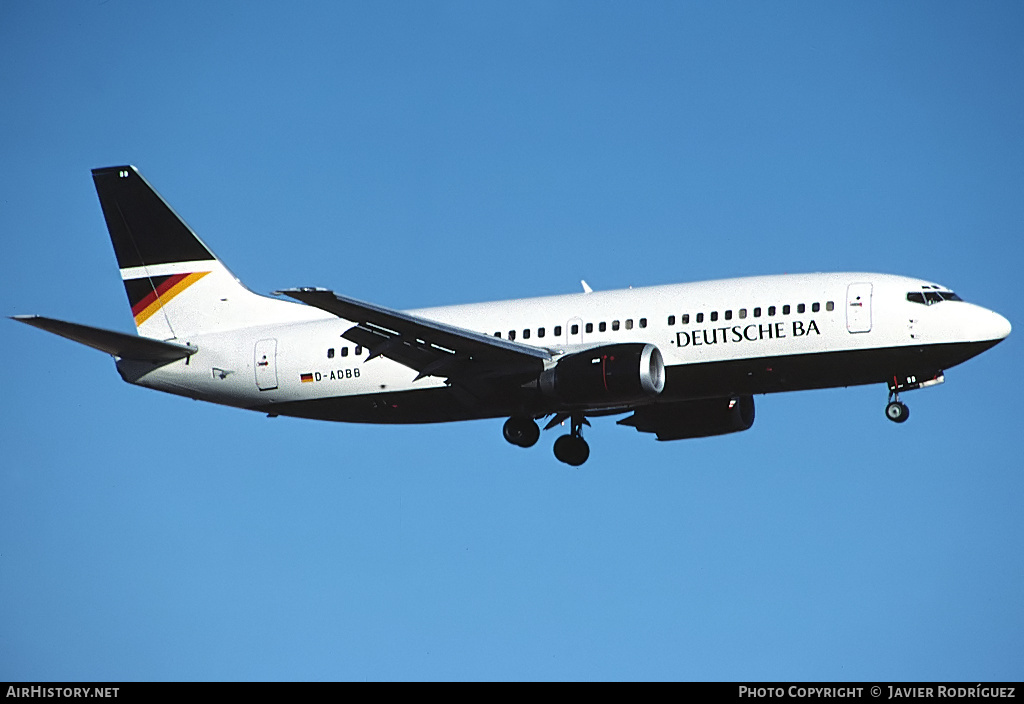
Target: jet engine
[694,419]
[606,376]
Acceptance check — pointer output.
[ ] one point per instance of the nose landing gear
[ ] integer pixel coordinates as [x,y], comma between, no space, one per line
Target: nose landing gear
[896,410]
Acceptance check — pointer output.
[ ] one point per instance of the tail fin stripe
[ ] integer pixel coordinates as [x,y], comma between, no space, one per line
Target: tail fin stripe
[143,291]
[162,294]
[160,270]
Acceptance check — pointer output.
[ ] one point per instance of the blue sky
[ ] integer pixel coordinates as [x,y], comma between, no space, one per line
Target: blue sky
[419,154]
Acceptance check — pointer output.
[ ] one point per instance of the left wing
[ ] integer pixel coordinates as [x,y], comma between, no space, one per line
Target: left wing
[469,359]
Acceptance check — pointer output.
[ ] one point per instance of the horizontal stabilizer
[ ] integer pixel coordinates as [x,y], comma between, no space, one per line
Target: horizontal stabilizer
[118,344]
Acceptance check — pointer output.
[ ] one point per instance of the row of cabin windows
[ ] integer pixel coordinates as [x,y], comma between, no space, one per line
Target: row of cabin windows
[344,351]
[574,329]
[616,325]
[684,319]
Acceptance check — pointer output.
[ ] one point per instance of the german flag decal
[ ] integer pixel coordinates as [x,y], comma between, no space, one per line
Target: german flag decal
[306,378]
[148,295]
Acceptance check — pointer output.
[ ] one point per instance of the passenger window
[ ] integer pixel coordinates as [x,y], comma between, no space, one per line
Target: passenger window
[511,334]
[330,353]
[359,350]
[743,313]
[497,334]
[671,320]
[830,306]
[540,332]
[344,351]
[575,329]
[728,315]
[714,315]
[629,323]
[785,309]
[615,325]
[602,326]
[526,334]
[815,307]
[643,322]
[558,330]
[700,317]
[589,327]
[686,319]
[801,308]
[757,312]
[771,310]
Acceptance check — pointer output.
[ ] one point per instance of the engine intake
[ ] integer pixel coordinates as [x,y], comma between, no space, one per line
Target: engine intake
[606,376]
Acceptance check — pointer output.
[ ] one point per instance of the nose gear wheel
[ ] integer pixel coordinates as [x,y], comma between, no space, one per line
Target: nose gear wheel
[896,410]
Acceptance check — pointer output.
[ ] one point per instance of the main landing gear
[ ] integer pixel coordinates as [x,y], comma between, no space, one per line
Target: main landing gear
[571,449]
[522,432]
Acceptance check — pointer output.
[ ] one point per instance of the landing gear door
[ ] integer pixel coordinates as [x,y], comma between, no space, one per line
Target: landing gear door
[858,308]
[266,364]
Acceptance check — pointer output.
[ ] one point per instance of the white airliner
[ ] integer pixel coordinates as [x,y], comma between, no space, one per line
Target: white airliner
[684,360]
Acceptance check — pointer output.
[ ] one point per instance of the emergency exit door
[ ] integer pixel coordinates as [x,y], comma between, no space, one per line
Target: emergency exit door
[858,308]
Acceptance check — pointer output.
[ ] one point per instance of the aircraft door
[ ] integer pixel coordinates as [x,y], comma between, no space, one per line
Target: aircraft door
[858,308]
[266,364]
[574,338]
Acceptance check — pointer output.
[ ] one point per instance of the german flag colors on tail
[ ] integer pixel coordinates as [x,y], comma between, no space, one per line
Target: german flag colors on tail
[148,295]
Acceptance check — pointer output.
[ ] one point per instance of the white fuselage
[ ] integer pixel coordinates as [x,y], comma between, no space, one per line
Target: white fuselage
[718,338]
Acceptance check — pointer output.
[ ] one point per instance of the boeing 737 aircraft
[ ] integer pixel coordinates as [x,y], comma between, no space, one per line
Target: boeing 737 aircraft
[683,360]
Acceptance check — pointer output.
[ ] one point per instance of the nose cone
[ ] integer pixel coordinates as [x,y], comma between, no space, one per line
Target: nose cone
[1000,327]
[989,326]
[972,323]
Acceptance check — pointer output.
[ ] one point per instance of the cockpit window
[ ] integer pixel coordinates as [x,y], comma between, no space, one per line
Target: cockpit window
[928,298]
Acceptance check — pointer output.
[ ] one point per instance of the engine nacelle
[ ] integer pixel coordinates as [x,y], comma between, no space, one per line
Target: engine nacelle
[606,376]
[694,419]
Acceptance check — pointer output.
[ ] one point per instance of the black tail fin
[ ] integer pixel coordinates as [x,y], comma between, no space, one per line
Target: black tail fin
[175,284]
[144,229]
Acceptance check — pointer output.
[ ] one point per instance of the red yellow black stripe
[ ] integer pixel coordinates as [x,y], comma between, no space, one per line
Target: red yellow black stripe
[148,295]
